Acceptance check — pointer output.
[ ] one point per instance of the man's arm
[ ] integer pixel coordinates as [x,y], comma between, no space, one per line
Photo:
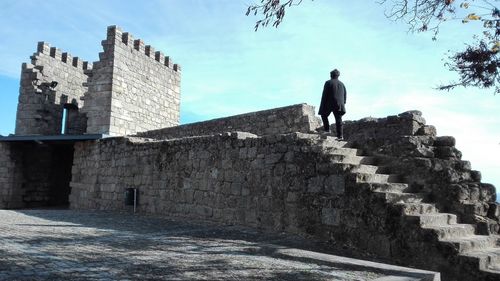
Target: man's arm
[345,94]
[323,98]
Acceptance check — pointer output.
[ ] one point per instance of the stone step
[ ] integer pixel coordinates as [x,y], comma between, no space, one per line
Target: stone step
[437,219]
[331,141]
[473,243]
[376,178]
[390,187]
[351,159]
[417,208]
[403,197]
[400,197]
[494,258]
[350,168]
[488,258]
[452,230]
[360,168]
[367,169]
[343,151]
[494,273]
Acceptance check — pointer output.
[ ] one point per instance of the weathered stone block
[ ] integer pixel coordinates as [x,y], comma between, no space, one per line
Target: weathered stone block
[445,141]
[316,184]
[236,189]
[427,130]
[335,184]
[330,216]
[494,211]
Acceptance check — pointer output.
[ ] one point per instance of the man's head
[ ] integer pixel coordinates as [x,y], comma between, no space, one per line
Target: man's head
[334,74]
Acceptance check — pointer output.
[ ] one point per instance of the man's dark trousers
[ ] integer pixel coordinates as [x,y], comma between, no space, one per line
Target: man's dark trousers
[338,123]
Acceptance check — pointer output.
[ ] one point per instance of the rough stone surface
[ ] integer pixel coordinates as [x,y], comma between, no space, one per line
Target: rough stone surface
[10,177]
[34,175]
[258,181]
[429,164]
[69,245]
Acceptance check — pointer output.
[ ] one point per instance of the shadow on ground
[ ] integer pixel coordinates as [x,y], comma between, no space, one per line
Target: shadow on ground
[86,245]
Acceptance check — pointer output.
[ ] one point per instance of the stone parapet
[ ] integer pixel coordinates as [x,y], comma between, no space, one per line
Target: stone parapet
[288,119]
[44,48]
[115,34]
[377,131]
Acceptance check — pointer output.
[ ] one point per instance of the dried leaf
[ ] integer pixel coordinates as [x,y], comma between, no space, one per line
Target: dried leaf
[473,16]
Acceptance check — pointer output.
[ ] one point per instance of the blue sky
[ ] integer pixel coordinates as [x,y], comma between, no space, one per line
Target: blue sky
[230,69]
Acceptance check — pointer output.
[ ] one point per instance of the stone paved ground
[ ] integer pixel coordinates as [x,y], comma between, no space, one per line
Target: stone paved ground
[76,245]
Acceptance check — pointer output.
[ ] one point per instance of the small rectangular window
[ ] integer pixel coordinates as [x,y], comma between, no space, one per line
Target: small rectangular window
[64,121]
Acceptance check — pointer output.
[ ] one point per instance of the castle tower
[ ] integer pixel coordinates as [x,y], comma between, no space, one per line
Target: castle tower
[130,89]
[51,86]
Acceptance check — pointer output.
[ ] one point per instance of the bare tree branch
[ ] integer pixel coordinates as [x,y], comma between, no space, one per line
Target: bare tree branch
[272,10]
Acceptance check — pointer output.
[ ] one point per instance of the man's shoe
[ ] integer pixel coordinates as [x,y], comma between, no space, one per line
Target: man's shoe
[340,138]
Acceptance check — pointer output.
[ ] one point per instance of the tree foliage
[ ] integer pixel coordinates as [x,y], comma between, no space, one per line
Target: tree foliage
[477,65]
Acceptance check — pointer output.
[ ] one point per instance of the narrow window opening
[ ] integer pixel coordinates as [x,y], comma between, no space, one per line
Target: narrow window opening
[70,123]
[64,120]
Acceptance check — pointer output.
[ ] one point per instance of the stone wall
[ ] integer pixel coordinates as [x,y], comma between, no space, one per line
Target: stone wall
[36,170]
[98,97]
[25,179]
[133,89]
[271,182]
[40,108]
[288,119]
[34,175]
[279,182]
[10,177]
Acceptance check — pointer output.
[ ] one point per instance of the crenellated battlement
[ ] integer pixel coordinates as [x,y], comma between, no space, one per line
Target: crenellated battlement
[65,57]
[116,36]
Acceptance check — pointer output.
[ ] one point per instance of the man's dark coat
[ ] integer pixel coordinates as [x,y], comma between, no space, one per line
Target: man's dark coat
[333,98]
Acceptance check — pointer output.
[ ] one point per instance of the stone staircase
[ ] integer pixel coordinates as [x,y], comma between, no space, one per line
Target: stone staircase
[479,252]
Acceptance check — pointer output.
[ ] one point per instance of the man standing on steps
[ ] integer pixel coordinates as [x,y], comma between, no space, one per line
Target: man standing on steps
[333,100]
